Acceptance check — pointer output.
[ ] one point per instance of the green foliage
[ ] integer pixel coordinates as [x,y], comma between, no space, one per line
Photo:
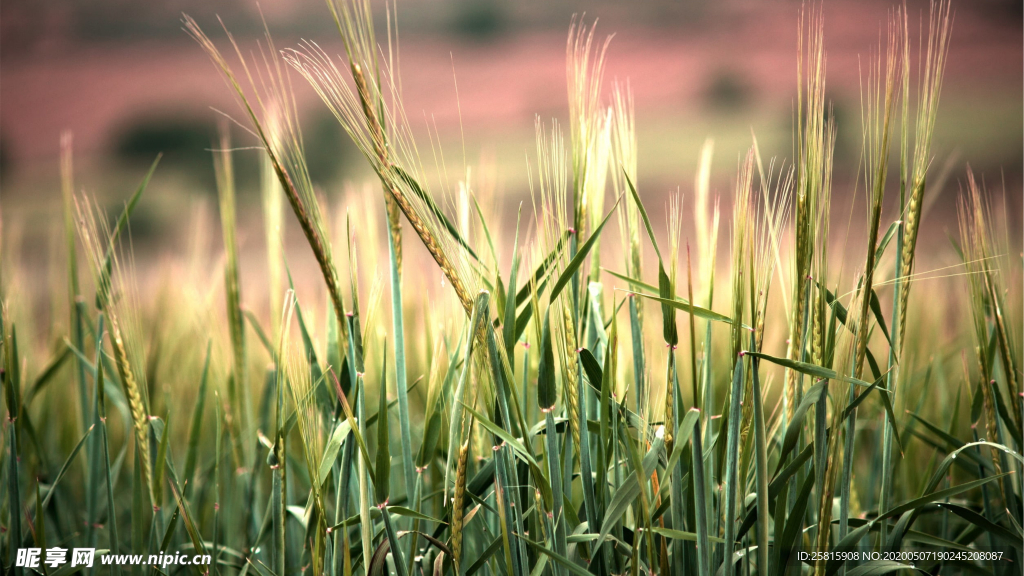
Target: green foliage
[184,141]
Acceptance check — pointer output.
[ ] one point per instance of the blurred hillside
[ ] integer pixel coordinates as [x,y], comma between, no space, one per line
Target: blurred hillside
[128,82]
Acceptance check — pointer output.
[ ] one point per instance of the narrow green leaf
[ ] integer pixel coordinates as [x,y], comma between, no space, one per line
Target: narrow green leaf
[1004,415]
[558,558]
[332,448]
[431,435]
[580,256]
[684,305]
[432,206]
[64,468]
[195,429]
[392,539]
[493,547]
[592,368]
[487,231]
[794,524]
[643,216]
[731,488]
[457,424]
[557,517]
[985,524]
[13,484]
[46,376]
[159,425]
[876,309]
[700,502]
[398,327]
[172,526]
[937,495]
[382,469]
[515,443]
[138,518]
[940,470]
[103,282]
[953,443]
[761,469]
[540,275]
[260,333]
[683,535]
[354,425]
[890,414]
[884,243]
[508,324]
[668,318]
[546,393]
[190,525]
[631,487]
[40,527]
[410,513]
[810,369]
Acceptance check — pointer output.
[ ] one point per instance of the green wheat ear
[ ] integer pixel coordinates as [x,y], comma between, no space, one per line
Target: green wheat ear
[115,300]
[274,109]
[238,384]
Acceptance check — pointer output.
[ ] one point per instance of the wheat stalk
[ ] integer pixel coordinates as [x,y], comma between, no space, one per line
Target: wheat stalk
[99,244]
[939,30]
[395,169]
[284,150]
[812,164]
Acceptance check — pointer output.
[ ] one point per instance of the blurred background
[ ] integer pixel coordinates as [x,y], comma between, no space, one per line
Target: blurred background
[129,83]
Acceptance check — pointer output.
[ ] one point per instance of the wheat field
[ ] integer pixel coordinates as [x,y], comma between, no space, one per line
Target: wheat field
[593,382]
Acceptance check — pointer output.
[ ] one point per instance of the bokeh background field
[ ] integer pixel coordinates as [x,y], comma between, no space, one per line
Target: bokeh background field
[129,83]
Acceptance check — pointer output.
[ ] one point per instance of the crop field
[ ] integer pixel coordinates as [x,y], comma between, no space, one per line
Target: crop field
[800,374]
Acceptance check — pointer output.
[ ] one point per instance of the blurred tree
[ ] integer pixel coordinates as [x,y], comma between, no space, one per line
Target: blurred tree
[727,90]
[479,20]
[5,157]
[330,153]
[184,140]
